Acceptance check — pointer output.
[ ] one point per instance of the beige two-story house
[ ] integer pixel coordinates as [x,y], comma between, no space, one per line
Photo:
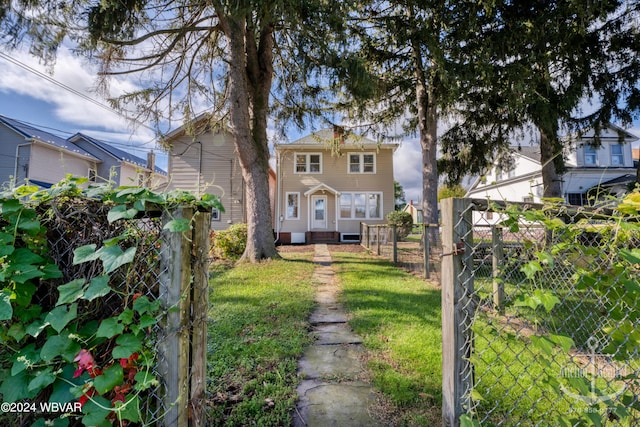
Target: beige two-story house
[328,183]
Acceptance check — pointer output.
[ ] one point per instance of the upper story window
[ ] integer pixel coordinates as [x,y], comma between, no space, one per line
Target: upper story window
[590,156]
[308,163]
[362,163]
[617,156]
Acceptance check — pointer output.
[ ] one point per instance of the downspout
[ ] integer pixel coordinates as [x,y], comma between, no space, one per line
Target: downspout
[15,173]
[278,219]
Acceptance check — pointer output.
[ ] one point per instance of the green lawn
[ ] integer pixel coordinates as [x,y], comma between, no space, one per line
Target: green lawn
[258,329]
[398,317]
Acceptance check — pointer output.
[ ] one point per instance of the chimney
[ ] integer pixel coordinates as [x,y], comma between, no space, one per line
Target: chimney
[338,134]
[151,161]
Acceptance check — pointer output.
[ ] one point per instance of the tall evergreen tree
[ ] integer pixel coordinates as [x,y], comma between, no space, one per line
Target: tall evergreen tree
[217,55]
[535,62]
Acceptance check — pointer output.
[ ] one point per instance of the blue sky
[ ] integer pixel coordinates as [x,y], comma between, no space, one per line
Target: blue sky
[35,99]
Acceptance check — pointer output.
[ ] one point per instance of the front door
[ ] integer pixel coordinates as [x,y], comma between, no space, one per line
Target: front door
[319,212]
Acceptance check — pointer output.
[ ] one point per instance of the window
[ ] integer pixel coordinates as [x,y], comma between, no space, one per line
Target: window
[308,163]
[590,157]
[293,205]
[362,163]
[575,199]
[215,214]
[527,199]
[617,158]
[92,175]
[361,205]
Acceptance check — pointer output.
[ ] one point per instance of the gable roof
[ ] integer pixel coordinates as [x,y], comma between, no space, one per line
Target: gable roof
[531,152]
[31,133]
[114,152]
[323,137]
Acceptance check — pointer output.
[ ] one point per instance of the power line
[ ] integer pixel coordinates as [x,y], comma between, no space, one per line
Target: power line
[69,89]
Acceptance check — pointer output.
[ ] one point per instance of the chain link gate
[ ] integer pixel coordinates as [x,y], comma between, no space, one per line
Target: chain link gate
[541,324]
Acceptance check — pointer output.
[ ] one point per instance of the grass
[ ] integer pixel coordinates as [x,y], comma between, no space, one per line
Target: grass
[258,329]
[398,317]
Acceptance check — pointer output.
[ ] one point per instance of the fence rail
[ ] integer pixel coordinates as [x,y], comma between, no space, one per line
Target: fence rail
[540,316]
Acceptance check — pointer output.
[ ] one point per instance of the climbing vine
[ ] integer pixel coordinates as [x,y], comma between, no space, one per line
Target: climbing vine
[77,334]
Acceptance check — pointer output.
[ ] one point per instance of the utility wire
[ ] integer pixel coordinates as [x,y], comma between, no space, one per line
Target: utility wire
[69,89]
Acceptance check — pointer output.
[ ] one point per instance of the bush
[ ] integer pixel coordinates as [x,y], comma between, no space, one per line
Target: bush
[403,222]
[230,243]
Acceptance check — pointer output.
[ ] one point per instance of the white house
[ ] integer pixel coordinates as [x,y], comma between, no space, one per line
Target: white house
[592,172]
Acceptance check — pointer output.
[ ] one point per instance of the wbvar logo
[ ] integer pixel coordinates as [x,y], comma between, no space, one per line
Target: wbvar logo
[598,369]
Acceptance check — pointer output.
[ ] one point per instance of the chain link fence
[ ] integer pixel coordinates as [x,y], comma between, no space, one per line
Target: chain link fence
[541,319]
[417,251]
[170,267]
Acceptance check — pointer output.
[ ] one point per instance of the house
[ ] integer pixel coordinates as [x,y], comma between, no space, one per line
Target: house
[202,159]
[120,167]
[593,171]
[414,211]
[29,154]
[328,183]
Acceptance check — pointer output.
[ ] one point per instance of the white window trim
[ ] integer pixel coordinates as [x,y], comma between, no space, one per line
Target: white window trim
[584,155]
[366,193]
[286,205]
[361,162]
[307,164]
[621,155]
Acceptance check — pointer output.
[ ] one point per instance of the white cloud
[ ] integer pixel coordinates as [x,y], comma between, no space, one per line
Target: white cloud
[407,167]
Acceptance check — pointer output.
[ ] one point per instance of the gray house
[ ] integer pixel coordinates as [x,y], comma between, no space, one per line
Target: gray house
[119,166]
[29,154]
[202,160]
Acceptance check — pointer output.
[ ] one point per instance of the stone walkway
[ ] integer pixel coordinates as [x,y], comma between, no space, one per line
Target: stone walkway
[331,393]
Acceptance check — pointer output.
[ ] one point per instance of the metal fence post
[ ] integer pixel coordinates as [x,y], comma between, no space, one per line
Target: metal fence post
[377,239]
[173,342]
[394,229]
[426,250]
[498,286]
[457,309]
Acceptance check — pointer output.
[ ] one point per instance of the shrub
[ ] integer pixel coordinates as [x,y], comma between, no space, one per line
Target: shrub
[230,243]
[403,222]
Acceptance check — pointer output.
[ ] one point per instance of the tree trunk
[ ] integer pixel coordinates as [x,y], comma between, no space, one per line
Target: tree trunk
[550,157]
[250,72]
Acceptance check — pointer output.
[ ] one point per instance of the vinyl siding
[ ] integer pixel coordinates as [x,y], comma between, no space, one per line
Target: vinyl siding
[335,175]
[9,140]
[51,165]
[208,164]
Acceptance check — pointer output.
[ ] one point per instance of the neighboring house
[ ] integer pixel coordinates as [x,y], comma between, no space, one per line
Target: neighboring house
[592,173]
[120,167]
[328,183]
[203,160]
[416,213]
[29,154]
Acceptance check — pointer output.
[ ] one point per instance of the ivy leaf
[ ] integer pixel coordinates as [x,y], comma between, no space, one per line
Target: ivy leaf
[109,328]
[142,305]
[84,254]
[144,380]
[121,212]
[113,257]
[564,342]
[632,256]
[59,317]
[467,421]
[70,292]
[531,268]
[543,343]
[51,271]
[111,377]
[31,226]
[16,331]
[126,316]
[42,379]
[23,272]
[26,357]
[211,201]
[96,411]
[127,345]
[178,225]
[6,250]
[130,409]
[98,287]
[15,387]
[36,327]
[6,311]
[10,206]
[59,345]
[26,256]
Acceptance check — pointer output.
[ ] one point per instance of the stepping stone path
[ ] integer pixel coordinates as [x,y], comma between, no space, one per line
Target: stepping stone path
[331,393]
